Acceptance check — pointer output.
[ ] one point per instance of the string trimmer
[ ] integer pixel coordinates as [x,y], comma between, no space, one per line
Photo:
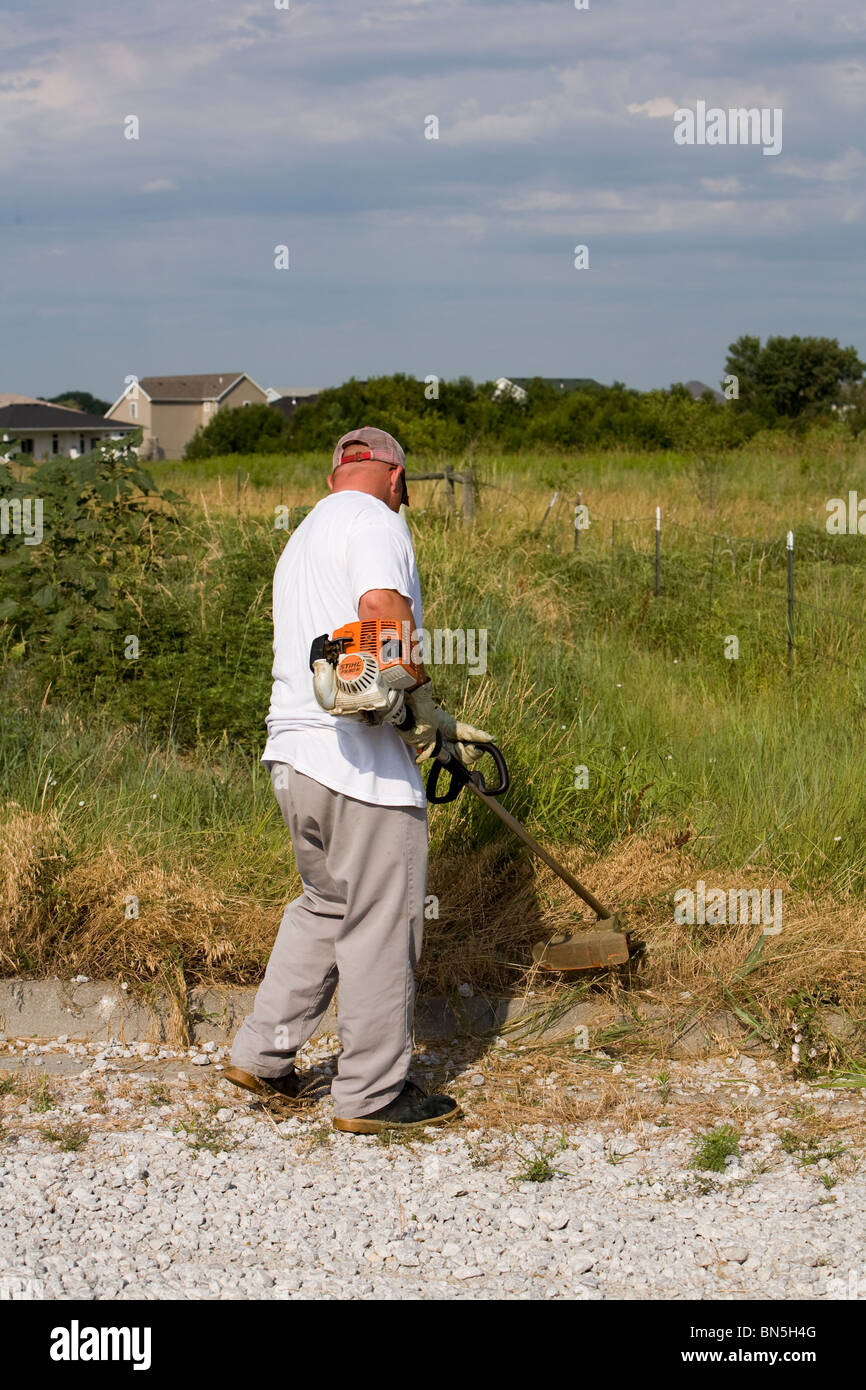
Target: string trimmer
[360,672]
[606,945]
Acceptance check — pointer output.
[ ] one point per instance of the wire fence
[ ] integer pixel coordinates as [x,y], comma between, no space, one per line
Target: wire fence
[705,570]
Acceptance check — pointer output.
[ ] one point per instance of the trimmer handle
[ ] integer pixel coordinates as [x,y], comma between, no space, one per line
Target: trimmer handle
[459,776]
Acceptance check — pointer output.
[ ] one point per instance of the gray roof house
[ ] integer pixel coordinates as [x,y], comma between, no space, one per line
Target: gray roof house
[43,430]
[286,399]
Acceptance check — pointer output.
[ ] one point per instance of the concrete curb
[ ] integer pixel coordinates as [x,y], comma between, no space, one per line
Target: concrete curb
[98,1010]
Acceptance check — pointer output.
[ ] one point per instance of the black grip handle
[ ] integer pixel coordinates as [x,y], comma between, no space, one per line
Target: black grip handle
[504,781]
[459,776]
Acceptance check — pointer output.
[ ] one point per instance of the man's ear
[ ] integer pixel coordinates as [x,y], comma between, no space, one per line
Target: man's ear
[330,482]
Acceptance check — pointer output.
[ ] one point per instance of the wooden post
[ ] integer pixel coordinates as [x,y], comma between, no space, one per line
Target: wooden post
[467,480]
[449,489]
[577,522]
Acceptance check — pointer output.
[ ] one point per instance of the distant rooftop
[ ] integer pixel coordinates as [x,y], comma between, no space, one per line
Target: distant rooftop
[207,387]
[697,388]
[42,416]
[561,383]
[10,398]
[299,390]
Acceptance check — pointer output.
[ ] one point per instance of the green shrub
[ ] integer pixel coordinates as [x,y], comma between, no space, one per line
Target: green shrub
[66,600]
[249,429]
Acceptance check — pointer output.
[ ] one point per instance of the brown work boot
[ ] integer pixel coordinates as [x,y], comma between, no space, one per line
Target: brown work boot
[411,1109]
[295,1089]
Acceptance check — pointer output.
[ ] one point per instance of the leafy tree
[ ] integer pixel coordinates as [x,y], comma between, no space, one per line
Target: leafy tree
[853,408]
[81,400]
[791,379]
[246,429]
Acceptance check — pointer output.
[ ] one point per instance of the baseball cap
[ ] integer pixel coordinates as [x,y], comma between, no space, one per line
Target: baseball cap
[373,445]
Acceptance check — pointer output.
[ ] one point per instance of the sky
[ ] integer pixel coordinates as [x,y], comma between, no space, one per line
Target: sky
[305,127]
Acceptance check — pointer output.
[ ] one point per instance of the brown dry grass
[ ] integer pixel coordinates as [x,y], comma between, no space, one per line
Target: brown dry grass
[66,916]
[822,946]
[62,916]
[612,487]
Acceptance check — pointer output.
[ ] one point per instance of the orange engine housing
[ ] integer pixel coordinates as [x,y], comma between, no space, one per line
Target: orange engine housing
[382,639]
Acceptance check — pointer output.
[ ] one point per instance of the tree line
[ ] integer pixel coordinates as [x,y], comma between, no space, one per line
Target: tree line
[786,383]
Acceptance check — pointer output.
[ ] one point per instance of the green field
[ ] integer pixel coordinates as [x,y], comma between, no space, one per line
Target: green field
[134,785]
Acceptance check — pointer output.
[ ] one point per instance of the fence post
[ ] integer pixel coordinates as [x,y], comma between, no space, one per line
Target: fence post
[449,489]
[712,575]
[658,580]
[790,549]
[467,480]
[577,522]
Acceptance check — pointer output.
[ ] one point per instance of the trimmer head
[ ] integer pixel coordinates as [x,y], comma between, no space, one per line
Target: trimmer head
[598,949]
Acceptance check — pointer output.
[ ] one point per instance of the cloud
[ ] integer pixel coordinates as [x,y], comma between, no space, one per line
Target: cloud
[727,185]
[657,108]
[849,165]
[158,186]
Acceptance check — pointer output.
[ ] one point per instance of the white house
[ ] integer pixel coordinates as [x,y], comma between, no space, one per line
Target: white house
[43,430]
[506,387]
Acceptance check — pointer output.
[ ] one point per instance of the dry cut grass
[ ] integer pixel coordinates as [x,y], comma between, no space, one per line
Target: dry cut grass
[65,916]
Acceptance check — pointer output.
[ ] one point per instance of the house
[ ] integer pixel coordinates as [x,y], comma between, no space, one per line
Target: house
[169,409]
[43,430]
[286,399]
[505,387]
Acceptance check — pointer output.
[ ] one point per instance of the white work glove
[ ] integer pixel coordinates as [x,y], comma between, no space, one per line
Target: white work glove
[435,726]
[468,753]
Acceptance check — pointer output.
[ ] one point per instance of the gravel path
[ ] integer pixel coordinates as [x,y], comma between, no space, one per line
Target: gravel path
[181,1189]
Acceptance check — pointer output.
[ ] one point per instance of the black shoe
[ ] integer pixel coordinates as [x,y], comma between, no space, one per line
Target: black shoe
[412,1107]
[297,1089]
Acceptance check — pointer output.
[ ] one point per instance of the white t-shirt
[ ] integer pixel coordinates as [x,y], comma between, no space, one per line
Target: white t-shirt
[349,543]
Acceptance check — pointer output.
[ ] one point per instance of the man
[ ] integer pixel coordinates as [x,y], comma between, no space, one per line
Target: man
[352,798]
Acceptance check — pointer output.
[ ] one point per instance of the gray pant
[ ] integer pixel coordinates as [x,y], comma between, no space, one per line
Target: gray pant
[360,919]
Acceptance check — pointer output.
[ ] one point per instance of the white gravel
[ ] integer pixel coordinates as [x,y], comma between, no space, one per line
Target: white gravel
[294,1208]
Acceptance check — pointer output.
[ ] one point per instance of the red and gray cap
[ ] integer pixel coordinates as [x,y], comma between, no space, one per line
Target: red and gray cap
[368,444]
